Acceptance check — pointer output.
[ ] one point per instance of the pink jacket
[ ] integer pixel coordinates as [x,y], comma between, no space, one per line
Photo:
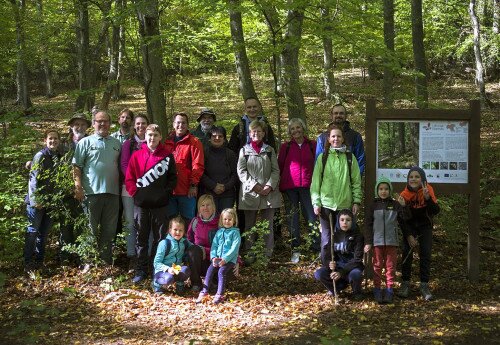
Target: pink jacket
[296,164]
[199,232]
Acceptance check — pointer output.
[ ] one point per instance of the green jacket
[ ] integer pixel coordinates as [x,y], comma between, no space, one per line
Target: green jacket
[335,192]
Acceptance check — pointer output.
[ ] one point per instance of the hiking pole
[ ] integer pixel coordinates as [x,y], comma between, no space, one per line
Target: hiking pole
[410,252]
[331,252]
[365,260]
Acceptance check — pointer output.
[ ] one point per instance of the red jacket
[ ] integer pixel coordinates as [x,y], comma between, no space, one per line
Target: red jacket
[151,176]
[189,159]
[296,164]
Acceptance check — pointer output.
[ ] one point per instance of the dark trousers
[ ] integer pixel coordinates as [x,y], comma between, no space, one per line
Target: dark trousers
[324,221]
[295,197]
[165,278]
[197,264]
[70,232]
[424,238]
[222,273]
[148,220]
[354,278]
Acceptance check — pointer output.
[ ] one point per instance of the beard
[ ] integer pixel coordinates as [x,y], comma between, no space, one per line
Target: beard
[205,127]
[77,135]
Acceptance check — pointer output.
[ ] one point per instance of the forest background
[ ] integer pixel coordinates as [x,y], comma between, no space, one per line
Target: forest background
[298,57]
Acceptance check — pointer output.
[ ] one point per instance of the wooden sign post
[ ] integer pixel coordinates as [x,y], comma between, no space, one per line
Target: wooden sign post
[472,117]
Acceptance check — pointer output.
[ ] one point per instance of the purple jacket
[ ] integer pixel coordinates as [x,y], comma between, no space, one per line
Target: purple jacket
[129,146]
[296,164]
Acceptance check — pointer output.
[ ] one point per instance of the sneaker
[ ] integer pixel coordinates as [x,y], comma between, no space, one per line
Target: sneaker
[424,290]
[195,288]
[388,296]
[404,290]
[139,277]
[158,290]
[377,294]
[218,299]
[295,258]
[86,268]
[201,297]
[132,264]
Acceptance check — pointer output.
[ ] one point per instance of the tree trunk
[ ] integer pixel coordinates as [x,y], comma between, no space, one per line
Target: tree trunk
[496,16]
[46,64]
[85,100]
[121,5]
[328,62]
[417,30]
[290,61]
[389,35]
[477,52]
[240,53]
[401,138]
[152,61]
[23,97]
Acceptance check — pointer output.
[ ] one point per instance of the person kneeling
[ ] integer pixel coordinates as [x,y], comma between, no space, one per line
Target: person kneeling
[347,264]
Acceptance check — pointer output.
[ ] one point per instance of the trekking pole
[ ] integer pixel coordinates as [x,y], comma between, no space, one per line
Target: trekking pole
[331,252]
[365,260]
[410,252]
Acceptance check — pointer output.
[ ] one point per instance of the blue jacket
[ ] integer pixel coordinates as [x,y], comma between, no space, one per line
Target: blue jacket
[226,244]
[165,256]
[353,141]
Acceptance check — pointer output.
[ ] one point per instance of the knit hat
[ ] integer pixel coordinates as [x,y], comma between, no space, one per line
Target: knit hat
[383,179]
[420,171]
[79,116]
[206,111]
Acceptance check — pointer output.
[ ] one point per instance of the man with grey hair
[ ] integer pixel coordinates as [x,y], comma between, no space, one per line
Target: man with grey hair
[95,168]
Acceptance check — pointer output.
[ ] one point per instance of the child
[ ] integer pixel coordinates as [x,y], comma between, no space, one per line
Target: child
[169,255]
[38,214]
[200,232]
[347,265]
[419,196]
[382,233]
[224,254]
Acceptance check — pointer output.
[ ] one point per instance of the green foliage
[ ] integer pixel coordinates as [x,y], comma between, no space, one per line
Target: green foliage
[257,253]
[335,336]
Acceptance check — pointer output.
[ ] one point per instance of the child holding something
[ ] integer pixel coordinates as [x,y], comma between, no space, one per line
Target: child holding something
[417,231]
[168,262]
[223,254]
[346,267]
[384,216]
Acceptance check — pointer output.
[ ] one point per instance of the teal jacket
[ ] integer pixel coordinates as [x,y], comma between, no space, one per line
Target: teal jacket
[164,260]
[335,192]
[226,244]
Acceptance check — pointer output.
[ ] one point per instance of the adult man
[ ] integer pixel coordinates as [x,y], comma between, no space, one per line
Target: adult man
[240,134]
[353,139]
[125,121]
[206,121]
[189,161]
[95,169]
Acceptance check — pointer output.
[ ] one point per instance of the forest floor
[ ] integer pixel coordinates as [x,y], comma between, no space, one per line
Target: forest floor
[282,305]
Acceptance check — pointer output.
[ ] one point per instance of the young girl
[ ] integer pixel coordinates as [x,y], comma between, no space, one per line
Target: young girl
[385,217]
[224,254]
[336,185]
[417,231]
[38,215]
[200,231]
[168,262]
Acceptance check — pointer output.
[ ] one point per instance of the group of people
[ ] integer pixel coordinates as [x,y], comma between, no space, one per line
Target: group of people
[178,196]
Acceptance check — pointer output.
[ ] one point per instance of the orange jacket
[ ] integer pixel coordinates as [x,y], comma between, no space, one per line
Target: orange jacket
[189,161]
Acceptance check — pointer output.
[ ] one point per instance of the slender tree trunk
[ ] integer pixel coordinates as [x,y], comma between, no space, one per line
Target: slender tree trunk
[328,61]
[152,61]
[496,16]
[417,30]
[121,5]
[240,53]
[477,51]
[389,35]
[114,45]
[46,64]
[22,81]
[85,100]
[290,61]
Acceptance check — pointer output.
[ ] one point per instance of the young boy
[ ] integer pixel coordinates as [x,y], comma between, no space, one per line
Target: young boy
[381,232]
[347,265]
[168,262]
[150,179]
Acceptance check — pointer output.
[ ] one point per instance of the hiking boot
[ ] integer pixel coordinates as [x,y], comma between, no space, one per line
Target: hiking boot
[139,277]
[388,296]
[158,290]
[179,288]
[201,297]
[295,258]
[377,294]
[218,299]
[424,290]
[404,290]
[132,264]
[357,296]
[195,288]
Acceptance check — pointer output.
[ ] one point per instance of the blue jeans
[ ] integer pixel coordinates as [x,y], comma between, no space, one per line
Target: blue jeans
[302,196]
[36,234]
[181,204]
[354,278]
[222,273]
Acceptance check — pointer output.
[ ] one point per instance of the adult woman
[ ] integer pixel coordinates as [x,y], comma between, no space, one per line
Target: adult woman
[219,177]
[258,172]
[336,185]
[296,163]
[137,138]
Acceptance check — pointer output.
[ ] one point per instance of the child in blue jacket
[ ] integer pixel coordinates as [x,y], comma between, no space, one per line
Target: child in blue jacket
[223,254]
[168,262]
